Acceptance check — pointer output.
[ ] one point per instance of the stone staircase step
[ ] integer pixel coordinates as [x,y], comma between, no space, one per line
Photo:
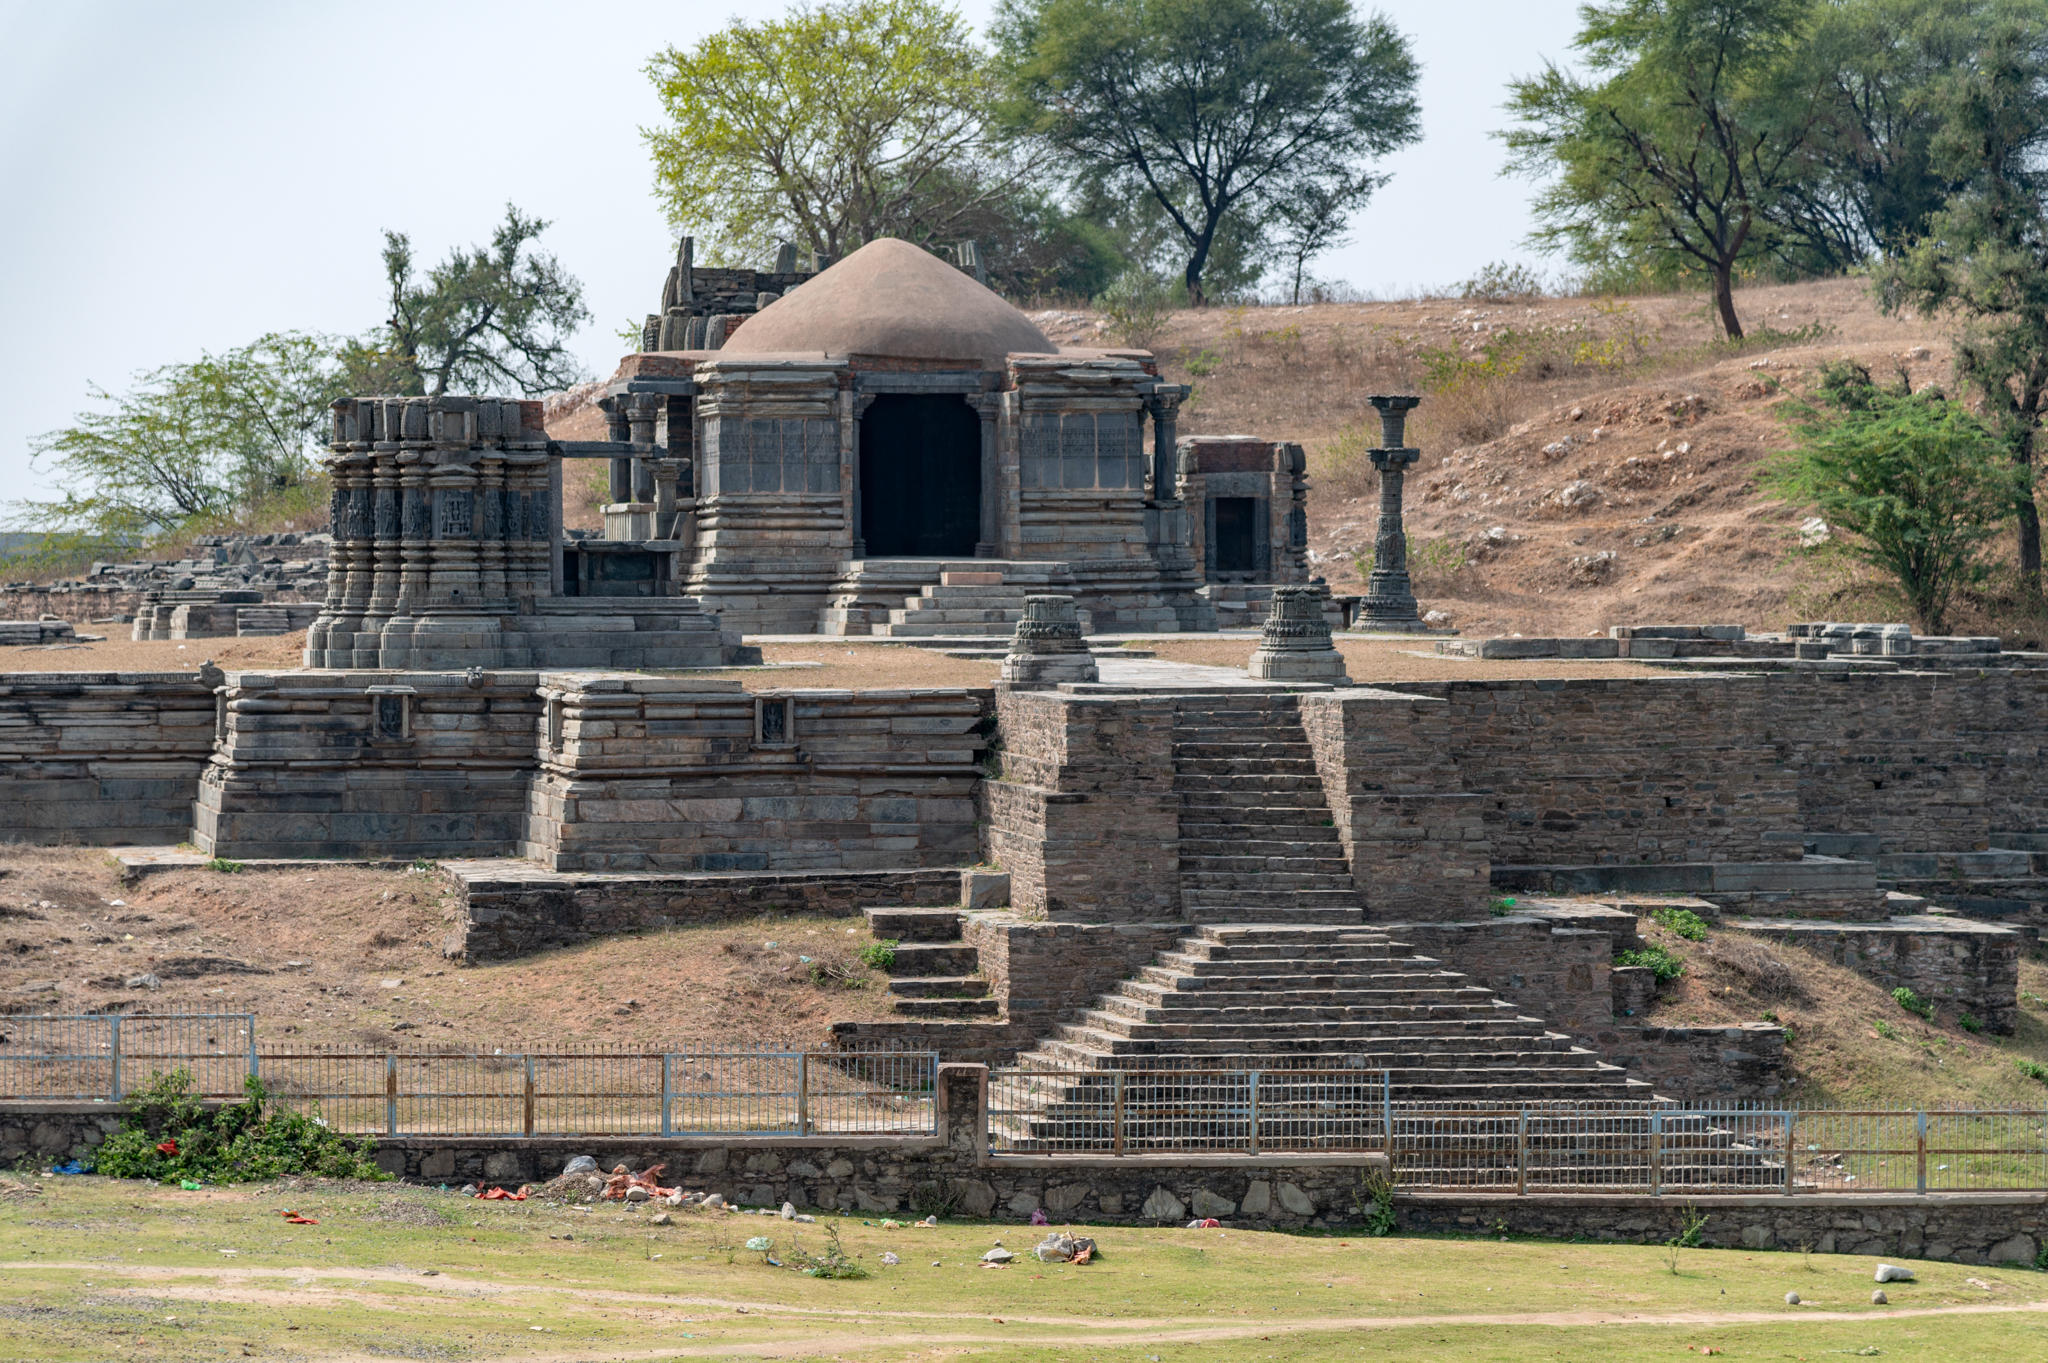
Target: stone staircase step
[947,1008]
[933,958]
[938,987]
[914,924]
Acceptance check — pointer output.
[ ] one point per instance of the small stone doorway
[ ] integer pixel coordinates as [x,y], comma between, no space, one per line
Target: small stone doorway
[920,476]
[1237,549]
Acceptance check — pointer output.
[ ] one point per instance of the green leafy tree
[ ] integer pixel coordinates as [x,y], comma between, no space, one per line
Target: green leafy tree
[830,127]
[1984,259]
[1918,484]
[214,443]
[1673,154]
[1220,112]
[1871,181]
[485,320]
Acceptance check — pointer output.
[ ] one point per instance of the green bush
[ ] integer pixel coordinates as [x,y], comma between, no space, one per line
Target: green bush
[1968,1023]
[2033,1070]
[170,1135]
[879,955]
[1913,1003]
[1884,1029]
[1684,922]
[1501,906]
[224,866]
[1661,963]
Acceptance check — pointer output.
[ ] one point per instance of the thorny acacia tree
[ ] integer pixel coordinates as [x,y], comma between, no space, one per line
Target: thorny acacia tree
[1984,260]
[1677,149]
[1918,483]
[1215,109]
[486,319]
[830,127]
[192,445]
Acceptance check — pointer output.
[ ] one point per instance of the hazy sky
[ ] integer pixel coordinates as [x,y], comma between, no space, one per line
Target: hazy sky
[187,177]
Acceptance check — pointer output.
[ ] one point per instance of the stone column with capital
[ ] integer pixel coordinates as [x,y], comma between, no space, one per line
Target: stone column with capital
[1163,406]
[1389,600]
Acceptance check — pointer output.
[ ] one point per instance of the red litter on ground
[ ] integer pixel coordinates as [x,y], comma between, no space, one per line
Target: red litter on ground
[293,1218]
[167,1148]
[500,1195]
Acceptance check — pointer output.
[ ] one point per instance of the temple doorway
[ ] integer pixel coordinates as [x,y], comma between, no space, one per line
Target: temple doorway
[1237,549]
[920,476]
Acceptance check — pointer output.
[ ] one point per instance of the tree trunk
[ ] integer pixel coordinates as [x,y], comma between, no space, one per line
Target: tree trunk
[2028,513]
[1724,300]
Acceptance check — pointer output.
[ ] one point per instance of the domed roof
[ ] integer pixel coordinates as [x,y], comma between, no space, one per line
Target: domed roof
[894,299]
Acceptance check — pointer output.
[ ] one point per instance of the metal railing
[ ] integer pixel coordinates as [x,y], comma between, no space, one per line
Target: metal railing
[584,1092]
[1138,1111]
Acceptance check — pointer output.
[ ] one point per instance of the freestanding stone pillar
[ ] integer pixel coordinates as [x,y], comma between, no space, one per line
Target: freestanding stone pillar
[1295,645]
[1389,600]
[1048,648]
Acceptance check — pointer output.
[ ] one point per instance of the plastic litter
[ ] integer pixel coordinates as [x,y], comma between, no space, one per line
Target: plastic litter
[1059,1247]
[500,1195]
[189,1185]
[292,1218]
[71,1166]
[927,1223]
[167,1147]
[891,1259]
[1038,1217]
[1206,1223]
[648,1181]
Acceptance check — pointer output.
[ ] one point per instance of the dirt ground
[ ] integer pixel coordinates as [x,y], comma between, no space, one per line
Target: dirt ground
[313,950]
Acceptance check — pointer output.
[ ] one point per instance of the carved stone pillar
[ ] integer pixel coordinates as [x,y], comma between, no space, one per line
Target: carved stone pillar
[1295,643]
[1389,599]
[492,581]
[1164,409]
[859,548]
[642,409]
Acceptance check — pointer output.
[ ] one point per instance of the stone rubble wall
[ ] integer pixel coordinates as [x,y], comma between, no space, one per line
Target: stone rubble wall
[103,758]
[1701,1066]
[951,1173]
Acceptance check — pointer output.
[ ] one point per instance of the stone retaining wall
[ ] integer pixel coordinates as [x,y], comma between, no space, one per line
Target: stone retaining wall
[1959,966]
[1084,815]
[106,758]
[511,908]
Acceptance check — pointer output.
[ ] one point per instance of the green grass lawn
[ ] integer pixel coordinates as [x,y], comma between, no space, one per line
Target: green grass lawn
[99,1269]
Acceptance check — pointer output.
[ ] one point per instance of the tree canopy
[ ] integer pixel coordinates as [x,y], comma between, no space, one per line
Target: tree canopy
[486,319]
[832,126]
[194,444]
[1220,112]
[1984,257]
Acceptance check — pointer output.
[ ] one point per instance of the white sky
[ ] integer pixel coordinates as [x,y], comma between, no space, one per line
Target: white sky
[186,177]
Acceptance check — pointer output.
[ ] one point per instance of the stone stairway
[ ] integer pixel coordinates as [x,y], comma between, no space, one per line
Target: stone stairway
[1257,840]
[934,974]
[962,603]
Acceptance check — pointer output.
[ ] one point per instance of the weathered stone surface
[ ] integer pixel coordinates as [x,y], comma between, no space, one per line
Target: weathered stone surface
[1206,1204]
[1162,1205]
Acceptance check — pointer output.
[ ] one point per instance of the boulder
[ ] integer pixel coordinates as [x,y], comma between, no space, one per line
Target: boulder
[1162,1205]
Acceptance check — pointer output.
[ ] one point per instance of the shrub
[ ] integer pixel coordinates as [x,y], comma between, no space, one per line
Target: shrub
[1661,963]
[1501,906]
[1884,1029]
[1501,282]
[1913,1003]
[1137,305]
[224,866]
[1684,922]
[1968,1023]
[169,1135]
[879,955]
[2033,1070]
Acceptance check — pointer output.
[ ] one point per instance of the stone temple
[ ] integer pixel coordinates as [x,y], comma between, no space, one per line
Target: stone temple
[822,460]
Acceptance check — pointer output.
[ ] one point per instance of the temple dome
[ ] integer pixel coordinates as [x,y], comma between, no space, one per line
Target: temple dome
[893,299]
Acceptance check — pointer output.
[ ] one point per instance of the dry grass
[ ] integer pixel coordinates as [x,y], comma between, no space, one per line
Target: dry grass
[353,928]
[1839,1054]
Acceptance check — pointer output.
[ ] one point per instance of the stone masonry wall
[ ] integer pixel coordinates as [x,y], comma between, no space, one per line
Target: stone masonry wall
[1557,974]
[1958,966]
[508,909]
[1702,1066]
[304,769]
[105,758]
[667,774]
[1084,815]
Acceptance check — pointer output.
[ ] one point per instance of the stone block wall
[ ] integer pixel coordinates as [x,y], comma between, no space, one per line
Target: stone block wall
[666,774]
[308,765]
[1084,814]
[1045,972]
[1558,974]
[1959,966]
[104,758]
[1702,1066]
[508,909]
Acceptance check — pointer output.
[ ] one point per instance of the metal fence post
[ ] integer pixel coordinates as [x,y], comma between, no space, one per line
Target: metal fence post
[803,1093]
[250,1019]
[390,1094]
[665,1092]
[529,1094]
[1522,1153]
[114,1046]
[1920,1122]
[1252,1130]
[1791,1146]
[1656,1154]
[1387,1119]
[1116,1116]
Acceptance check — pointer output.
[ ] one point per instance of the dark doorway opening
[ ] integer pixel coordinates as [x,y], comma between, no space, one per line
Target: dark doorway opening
[920,476]
[1236,545]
